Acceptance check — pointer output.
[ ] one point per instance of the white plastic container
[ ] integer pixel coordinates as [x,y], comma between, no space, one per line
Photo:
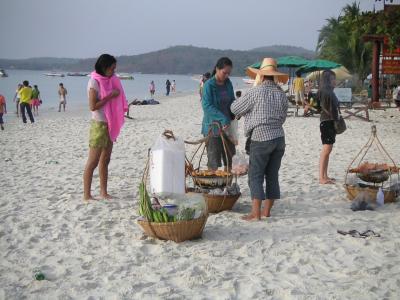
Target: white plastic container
[167,167]
[380,197]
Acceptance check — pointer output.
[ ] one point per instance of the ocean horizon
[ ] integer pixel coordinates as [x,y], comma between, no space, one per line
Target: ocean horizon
[77,85]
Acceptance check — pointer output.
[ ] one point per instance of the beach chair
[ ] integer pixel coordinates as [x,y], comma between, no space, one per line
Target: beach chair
[359,107]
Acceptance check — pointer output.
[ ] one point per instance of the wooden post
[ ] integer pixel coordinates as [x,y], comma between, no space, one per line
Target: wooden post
[375,70]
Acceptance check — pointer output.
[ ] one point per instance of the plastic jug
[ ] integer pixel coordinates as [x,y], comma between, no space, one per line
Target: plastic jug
[167,166]
[380,197]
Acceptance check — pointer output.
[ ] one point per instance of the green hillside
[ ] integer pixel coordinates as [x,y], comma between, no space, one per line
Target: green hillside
[173,60]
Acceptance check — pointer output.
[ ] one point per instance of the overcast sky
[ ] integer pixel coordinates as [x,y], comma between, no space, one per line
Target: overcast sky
[87,28]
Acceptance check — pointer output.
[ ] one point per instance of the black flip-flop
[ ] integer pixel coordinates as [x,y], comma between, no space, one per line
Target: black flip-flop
[370,233]
[356,234]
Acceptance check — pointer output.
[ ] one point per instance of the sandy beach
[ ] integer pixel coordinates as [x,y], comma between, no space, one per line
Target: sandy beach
[96,250]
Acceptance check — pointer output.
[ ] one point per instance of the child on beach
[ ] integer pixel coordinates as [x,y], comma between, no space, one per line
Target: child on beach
[152,88]
[173,86]
[3,110]
[35,99]
[16,98]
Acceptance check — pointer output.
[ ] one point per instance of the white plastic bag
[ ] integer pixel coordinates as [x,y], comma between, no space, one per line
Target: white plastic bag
[167,166]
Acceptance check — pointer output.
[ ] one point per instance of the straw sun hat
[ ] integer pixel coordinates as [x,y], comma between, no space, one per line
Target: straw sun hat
[268,68]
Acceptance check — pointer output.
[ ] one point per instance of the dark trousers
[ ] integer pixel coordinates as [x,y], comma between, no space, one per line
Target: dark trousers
[26,106]
[168,89]
[265,162]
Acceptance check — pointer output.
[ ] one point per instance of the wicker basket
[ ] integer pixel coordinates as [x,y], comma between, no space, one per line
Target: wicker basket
[352,192]
[212,181]
[175,231]
[218,203]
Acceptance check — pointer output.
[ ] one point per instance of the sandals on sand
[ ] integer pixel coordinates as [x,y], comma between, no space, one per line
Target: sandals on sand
[356,234]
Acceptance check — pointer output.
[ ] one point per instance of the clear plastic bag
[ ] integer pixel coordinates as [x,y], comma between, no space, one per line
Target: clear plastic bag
[233,132]
[190,205]
[240,164]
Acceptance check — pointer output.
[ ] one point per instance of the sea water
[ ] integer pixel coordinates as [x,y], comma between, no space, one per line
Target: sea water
[77,85]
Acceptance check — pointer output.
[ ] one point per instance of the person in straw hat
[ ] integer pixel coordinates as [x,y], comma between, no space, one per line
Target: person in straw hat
[264,108]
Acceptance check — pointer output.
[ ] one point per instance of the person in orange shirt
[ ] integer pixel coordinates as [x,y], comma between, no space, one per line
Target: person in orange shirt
[3,110]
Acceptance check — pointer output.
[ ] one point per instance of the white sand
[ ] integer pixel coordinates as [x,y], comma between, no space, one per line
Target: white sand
[96,250]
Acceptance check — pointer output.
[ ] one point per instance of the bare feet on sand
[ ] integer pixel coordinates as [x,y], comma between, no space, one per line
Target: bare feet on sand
[107,197]
[88,198]
[326,181]
[252,217]
[266,214]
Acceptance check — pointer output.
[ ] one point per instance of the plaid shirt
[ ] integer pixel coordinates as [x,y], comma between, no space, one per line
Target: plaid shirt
[264,108]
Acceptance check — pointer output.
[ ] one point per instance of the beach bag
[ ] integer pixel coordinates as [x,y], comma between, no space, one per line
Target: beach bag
[340,125]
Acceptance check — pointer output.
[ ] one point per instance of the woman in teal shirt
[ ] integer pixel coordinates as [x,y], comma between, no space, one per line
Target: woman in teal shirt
[217,98]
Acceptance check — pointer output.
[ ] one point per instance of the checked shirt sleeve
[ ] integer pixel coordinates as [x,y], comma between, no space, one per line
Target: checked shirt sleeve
[243,105]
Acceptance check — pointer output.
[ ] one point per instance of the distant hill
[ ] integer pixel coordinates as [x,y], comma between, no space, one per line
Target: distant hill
[173,60]
[289,50]
[38,63]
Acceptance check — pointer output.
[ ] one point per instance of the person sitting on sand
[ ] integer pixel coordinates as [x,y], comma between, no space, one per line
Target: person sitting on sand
[100,140]
[264,108]
[329,113]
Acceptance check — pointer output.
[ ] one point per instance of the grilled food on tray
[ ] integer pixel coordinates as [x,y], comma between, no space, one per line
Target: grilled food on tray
[209,173]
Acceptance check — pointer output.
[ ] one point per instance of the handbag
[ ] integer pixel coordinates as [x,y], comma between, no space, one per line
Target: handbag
[340,124]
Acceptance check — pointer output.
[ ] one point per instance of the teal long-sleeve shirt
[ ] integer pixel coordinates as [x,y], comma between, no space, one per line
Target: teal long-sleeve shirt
[211,103]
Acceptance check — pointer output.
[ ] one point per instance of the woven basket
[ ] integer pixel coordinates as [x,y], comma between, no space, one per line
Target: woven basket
[212,181]
[218,203]
[352,192]
[179,231]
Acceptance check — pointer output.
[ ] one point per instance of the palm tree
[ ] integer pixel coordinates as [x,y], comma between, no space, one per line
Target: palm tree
[340,40]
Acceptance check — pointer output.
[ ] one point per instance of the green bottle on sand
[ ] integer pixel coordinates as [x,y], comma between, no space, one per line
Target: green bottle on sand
[39,275]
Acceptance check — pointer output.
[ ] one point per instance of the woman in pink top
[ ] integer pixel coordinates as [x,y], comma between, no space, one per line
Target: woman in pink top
[152,88]
[100,143]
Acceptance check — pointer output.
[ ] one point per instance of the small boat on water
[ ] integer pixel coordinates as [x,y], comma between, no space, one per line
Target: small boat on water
[78,74]
[53,74]
[125,76]
[3,73]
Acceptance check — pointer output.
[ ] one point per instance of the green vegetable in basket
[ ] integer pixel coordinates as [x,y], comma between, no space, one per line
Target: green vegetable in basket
[186,214]
[155,216]
[164,215]
[145,208]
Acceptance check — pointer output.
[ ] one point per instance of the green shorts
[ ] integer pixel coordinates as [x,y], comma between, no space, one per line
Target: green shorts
[99,136]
